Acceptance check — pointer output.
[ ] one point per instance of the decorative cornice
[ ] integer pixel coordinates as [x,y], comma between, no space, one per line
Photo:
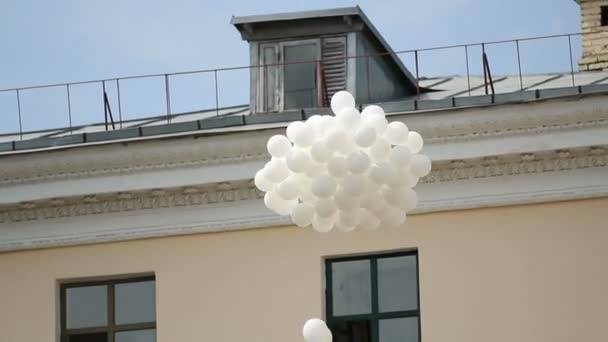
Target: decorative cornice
[129,201]
[450,171]
[518,164]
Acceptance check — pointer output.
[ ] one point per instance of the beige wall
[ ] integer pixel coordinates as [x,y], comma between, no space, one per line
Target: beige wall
[532,273]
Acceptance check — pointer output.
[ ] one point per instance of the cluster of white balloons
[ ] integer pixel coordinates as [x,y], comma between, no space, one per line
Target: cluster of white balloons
[352,170]
[315,330]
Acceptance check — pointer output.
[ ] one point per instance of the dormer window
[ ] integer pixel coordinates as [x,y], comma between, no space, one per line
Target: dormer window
[299,60]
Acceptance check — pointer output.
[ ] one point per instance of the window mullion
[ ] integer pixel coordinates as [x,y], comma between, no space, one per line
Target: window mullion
[328,291]
[111,322]
[374,320]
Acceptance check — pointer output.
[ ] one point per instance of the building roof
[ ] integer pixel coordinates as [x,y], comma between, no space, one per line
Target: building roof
[450,92]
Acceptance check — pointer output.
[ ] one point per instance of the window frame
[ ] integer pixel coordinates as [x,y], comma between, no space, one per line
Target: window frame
[375,315]
[111,327]
[279,79]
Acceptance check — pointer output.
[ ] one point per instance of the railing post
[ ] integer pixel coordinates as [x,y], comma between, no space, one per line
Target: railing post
[571,62]
[466,56]
[105,107]
[19,113]
[119,105]
[483,61]
[217,102]
[417,76]
[67,89]
[521,81]
[168,98]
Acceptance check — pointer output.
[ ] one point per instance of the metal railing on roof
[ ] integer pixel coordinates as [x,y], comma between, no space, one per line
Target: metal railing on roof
[112,102]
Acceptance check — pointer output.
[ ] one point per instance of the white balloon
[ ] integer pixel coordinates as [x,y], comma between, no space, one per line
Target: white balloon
[358,162]
[262,183]
[305,135]
[280,206]
[325,208]
[307,196]
[365,136]
[298,160]
[278,146]
[345,201]
[319,152]
[315,330]
[342,100]
[276,170]
[396,133]
[348,146]
[402,198]
[302,214]
[420,165]
[315,169]
[323,186]
[400,156]
[414,141]
[337,166]
[354,185]
[326,123]
[372,110]
[372,201]
[383,173]
[316,122]
[380,149]
[410,199]
[348,118]
[406,178]
[289,189]
[367,220]
[335,138]
[392,217]
[377,121]
[347,220]
[323,224]
[292,130]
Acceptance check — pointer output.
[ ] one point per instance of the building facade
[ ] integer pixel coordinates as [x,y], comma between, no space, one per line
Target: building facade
[163,237]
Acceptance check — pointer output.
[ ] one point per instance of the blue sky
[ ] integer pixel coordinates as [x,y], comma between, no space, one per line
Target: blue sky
[63,41]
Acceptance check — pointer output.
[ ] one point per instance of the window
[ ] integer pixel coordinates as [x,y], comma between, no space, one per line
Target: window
[300,75]
[119,310]
[373,298]
[289,76]
[604,15]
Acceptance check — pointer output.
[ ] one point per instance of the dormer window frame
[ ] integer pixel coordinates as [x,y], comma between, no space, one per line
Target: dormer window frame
[274,71]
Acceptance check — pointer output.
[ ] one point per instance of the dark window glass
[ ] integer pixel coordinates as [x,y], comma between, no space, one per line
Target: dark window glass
[604,15]
[87,306]
[136,336]
[404,329]
[123,310]
[397,284]
[135,302]
[351,287]
[300,76]
[373,298]
[94,337]
[351,331]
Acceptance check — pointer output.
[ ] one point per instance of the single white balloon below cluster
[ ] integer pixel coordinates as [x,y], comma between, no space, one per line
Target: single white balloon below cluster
[315,330]
[348,171]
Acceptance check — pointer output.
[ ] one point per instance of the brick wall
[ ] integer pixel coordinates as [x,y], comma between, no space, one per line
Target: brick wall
[595,36]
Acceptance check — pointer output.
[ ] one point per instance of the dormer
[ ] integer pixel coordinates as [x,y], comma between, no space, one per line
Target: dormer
[299,60]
